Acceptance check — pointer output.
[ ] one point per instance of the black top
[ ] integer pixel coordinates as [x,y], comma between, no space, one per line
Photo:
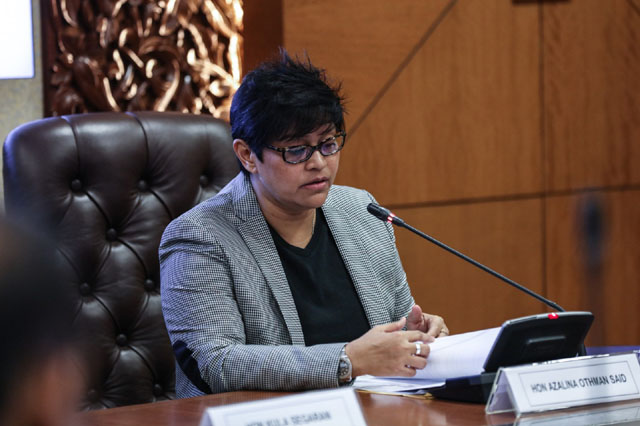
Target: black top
[329,308]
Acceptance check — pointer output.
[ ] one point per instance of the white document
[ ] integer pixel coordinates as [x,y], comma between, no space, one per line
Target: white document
[338,407]
[458,355]
[450,356]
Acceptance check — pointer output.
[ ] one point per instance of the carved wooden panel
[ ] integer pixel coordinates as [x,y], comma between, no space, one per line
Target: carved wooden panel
[120,55]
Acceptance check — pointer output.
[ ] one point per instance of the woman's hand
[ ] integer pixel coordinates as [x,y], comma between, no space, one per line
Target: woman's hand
[433,325]
[386,350]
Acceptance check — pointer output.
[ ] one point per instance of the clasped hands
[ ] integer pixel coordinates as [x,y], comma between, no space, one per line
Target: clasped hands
[388,350]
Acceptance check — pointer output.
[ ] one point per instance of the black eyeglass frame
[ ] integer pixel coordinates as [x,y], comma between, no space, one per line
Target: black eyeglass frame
[314,148]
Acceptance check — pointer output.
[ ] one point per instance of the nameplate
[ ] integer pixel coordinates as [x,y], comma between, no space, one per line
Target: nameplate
[565,383]
[325,408]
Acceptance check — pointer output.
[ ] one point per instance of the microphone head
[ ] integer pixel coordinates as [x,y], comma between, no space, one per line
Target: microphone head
[385,214]
[379,212]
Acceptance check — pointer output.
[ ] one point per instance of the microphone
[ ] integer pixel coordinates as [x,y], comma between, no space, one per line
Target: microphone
[386,216]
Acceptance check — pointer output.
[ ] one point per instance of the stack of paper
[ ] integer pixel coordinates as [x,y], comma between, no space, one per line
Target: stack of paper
[450,356]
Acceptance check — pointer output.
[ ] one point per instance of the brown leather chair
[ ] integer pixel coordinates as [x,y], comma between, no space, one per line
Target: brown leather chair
[106,185]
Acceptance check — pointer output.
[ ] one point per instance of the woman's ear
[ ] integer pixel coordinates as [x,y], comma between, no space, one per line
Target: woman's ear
[245,155]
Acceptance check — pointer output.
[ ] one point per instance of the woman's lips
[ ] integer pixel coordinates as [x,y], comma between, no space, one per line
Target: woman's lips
[317,184]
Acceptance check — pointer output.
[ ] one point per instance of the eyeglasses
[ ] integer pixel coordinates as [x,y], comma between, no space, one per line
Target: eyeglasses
[301,153]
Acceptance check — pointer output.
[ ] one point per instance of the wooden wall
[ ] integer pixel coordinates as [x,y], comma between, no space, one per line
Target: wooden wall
[262,31]
[509,130]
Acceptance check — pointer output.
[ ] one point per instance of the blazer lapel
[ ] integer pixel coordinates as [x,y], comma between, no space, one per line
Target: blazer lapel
[254,230]
[358,264]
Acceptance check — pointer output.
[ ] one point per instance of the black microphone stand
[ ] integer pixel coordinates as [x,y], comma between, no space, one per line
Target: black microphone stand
[386,215]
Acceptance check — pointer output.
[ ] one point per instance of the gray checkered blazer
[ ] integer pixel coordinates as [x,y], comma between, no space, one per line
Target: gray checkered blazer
[227,304]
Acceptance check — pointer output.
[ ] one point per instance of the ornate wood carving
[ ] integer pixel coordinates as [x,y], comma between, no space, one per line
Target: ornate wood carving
[122,55]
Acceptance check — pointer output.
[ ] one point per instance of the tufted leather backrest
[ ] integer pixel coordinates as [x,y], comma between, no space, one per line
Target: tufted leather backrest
[107,184]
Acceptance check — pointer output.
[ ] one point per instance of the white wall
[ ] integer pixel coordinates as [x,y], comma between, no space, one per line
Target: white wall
[21,100]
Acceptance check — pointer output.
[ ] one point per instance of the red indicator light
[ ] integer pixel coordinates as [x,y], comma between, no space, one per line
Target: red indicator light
[390,218]
[553,315]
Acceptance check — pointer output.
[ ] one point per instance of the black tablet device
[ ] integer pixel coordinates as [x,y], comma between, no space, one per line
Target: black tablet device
[536,338]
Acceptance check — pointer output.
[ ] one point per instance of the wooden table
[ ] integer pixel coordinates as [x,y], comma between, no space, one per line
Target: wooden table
[377,409]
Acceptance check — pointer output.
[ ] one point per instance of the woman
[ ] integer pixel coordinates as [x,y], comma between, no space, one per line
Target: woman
[283,281]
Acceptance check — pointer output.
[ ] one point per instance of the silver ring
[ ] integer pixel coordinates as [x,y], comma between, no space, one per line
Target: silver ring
[418,348]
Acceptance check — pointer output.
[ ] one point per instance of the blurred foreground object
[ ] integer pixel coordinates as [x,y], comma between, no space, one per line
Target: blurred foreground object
[39,383]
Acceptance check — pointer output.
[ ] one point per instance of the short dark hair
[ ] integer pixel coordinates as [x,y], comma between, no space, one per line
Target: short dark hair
[284,99]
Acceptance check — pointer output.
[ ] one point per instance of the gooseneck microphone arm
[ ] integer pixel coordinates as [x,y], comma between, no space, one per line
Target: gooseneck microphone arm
[385,215]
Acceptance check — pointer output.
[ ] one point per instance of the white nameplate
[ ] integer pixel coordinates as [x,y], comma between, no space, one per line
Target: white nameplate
[325,408]
[565,383]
